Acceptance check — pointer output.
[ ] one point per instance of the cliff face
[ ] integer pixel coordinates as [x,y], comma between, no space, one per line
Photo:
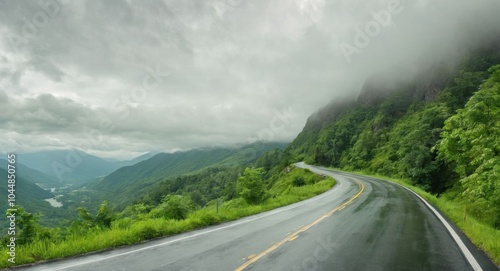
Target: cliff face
[375,90]
[360,132]
[432,81]
[424,86]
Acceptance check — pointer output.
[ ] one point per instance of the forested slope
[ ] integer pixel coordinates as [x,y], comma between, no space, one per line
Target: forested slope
[441,131]
[153,175]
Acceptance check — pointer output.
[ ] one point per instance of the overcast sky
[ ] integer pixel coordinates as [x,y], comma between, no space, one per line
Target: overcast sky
[119,78]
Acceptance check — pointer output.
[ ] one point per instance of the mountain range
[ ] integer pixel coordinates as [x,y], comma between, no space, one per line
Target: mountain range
[73,167]
[27,194]
[129,183]
[87,180]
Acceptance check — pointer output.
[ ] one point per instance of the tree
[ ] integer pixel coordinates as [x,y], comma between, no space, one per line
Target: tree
[86,220]
[27,225]
[471,140]
[104,216]
[197,198]
[250,185]
[173,207]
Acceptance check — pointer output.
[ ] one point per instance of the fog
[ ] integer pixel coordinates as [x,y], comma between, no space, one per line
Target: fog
[119,78]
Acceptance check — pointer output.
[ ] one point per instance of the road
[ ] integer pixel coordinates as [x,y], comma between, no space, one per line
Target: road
[361,224]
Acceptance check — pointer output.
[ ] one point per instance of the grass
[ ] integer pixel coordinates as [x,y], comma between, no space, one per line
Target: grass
[126,231]
[482,235]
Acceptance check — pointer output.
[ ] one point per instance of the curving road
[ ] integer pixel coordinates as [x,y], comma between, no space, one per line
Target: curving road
[361,224]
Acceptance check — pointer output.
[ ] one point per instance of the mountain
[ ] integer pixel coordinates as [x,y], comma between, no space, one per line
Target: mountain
[136,160]
[124,163]
[141,158]
[68,166]
[131,182]
[28,194]
[33,175]
[440,130]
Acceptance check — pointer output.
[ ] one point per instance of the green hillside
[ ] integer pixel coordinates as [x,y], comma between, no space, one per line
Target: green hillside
[440,131]
[33,175]
[68,166]
[130,183]
[28,194]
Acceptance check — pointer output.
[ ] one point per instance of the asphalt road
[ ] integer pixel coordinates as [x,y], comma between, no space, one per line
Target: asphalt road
[360,224]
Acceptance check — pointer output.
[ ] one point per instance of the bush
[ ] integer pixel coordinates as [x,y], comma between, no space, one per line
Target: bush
[250,186]
[298,180]
[173,207]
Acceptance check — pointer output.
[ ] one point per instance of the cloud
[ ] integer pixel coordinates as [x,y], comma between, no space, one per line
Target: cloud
[79,73]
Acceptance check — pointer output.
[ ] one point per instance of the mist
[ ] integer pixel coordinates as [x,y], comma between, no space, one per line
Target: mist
[118,78]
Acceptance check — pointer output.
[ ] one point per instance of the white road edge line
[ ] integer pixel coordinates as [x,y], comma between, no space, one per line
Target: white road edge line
[465,251]
[468,255]
[258,216]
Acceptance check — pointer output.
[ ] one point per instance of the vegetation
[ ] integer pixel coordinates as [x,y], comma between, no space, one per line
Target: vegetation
[175,213]
[251,186]
[131,183]
[31,197]
[445,141]
[471,142]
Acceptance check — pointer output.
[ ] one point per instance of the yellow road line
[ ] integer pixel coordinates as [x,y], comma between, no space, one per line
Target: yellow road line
[294,235]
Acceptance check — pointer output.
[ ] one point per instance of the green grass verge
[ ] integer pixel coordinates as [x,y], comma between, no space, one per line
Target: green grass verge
[482,235]
[126,231]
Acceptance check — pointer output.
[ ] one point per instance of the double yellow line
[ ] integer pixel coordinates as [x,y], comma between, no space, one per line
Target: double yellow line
[294,235]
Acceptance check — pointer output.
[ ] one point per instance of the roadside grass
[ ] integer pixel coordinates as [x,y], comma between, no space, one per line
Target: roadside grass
[482,235]
[126,231]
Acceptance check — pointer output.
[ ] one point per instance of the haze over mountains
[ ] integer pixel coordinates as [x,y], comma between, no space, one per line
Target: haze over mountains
[33,175]
[35,182]
[94,179]
[70,167]
[131,182]
[28,194]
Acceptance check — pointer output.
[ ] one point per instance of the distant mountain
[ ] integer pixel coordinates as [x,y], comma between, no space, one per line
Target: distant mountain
[136,160]
[68,166]
[112,160]
[28,194]
[131,182]
[26,191]
[143,157]
[33,175]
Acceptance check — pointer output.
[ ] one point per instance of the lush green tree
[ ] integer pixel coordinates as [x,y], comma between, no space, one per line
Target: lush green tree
[197,198]
[137,211]
[456,95]
[86,220]
[173,207]
[251,186]
[27,225]
[104,216]
[471,140]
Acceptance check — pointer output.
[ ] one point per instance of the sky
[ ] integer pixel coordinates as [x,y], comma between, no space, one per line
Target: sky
[120,78]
